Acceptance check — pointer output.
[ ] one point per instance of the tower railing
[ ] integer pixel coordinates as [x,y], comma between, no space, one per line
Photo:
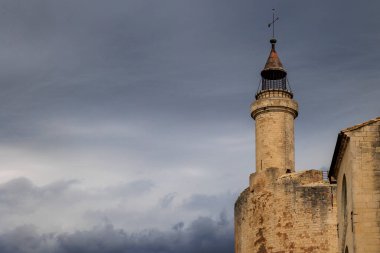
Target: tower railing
[280,84]
[279,87]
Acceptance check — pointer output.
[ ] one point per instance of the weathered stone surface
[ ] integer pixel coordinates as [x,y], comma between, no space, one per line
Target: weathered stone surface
[274,116]
[293,213]
[358,187]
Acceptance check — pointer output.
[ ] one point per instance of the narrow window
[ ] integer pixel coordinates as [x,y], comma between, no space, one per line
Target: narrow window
[344,199]
[343,211]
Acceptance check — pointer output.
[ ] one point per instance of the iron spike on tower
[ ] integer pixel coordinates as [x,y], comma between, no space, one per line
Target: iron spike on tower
[274,112]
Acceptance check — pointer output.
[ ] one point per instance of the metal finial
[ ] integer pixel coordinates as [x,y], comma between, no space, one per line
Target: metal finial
[273,21]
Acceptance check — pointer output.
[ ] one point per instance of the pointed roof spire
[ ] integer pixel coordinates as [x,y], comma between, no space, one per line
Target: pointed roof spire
[273,68]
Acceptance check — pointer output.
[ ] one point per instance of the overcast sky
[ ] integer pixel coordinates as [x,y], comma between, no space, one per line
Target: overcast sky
[125,126]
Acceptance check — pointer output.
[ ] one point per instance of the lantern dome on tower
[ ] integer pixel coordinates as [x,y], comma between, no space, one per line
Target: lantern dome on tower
[274,76]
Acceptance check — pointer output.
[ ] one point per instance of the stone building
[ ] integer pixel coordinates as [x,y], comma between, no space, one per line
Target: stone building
[284,211]
[356,170]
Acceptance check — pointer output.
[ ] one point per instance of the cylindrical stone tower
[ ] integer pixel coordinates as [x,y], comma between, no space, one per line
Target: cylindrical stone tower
[274,112]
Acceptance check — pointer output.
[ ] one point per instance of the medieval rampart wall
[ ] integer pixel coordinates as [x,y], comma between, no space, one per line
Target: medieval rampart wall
[292,213]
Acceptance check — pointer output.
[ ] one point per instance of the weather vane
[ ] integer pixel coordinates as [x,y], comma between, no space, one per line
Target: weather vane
[272,24]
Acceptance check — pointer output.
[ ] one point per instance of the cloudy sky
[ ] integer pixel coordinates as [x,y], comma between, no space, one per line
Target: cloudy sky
[125,126]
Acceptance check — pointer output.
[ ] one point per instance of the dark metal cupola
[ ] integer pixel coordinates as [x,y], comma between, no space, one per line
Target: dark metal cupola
[274,76]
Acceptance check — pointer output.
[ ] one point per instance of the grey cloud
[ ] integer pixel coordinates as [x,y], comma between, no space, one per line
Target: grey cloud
[134,188]
[178,226]
[203,235]
[211,203]
[22,192]
[163,211]
[23,202]
[25,239]
[20,195]
[167,200]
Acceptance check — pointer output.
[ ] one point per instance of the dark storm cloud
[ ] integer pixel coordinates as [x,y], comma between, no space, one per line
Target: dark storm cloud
[190,65]
[125,59]
[130,62]
[139,58]
[203,235]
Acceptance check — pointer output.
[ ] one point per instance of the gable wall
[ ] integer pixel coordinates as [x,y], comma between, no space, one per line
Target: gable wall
[361,165]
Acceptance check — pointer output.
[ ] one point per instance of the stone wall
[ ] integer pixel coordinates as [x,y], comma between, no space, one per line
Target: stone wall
[274,117]
[291,213]
[358,177]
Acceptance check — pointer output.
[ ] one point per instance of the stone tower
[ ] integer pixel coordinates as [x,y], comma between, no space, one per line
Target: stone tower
[282,210]
[274,112]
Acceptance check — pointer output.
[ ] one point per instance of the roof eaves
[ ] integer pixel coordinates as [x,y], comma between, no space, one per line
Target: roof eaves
[353,128]
[339,150]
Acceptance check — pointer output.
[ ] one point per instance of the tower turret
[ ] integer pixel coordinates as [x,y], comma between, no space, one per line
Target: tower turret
[274,112]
